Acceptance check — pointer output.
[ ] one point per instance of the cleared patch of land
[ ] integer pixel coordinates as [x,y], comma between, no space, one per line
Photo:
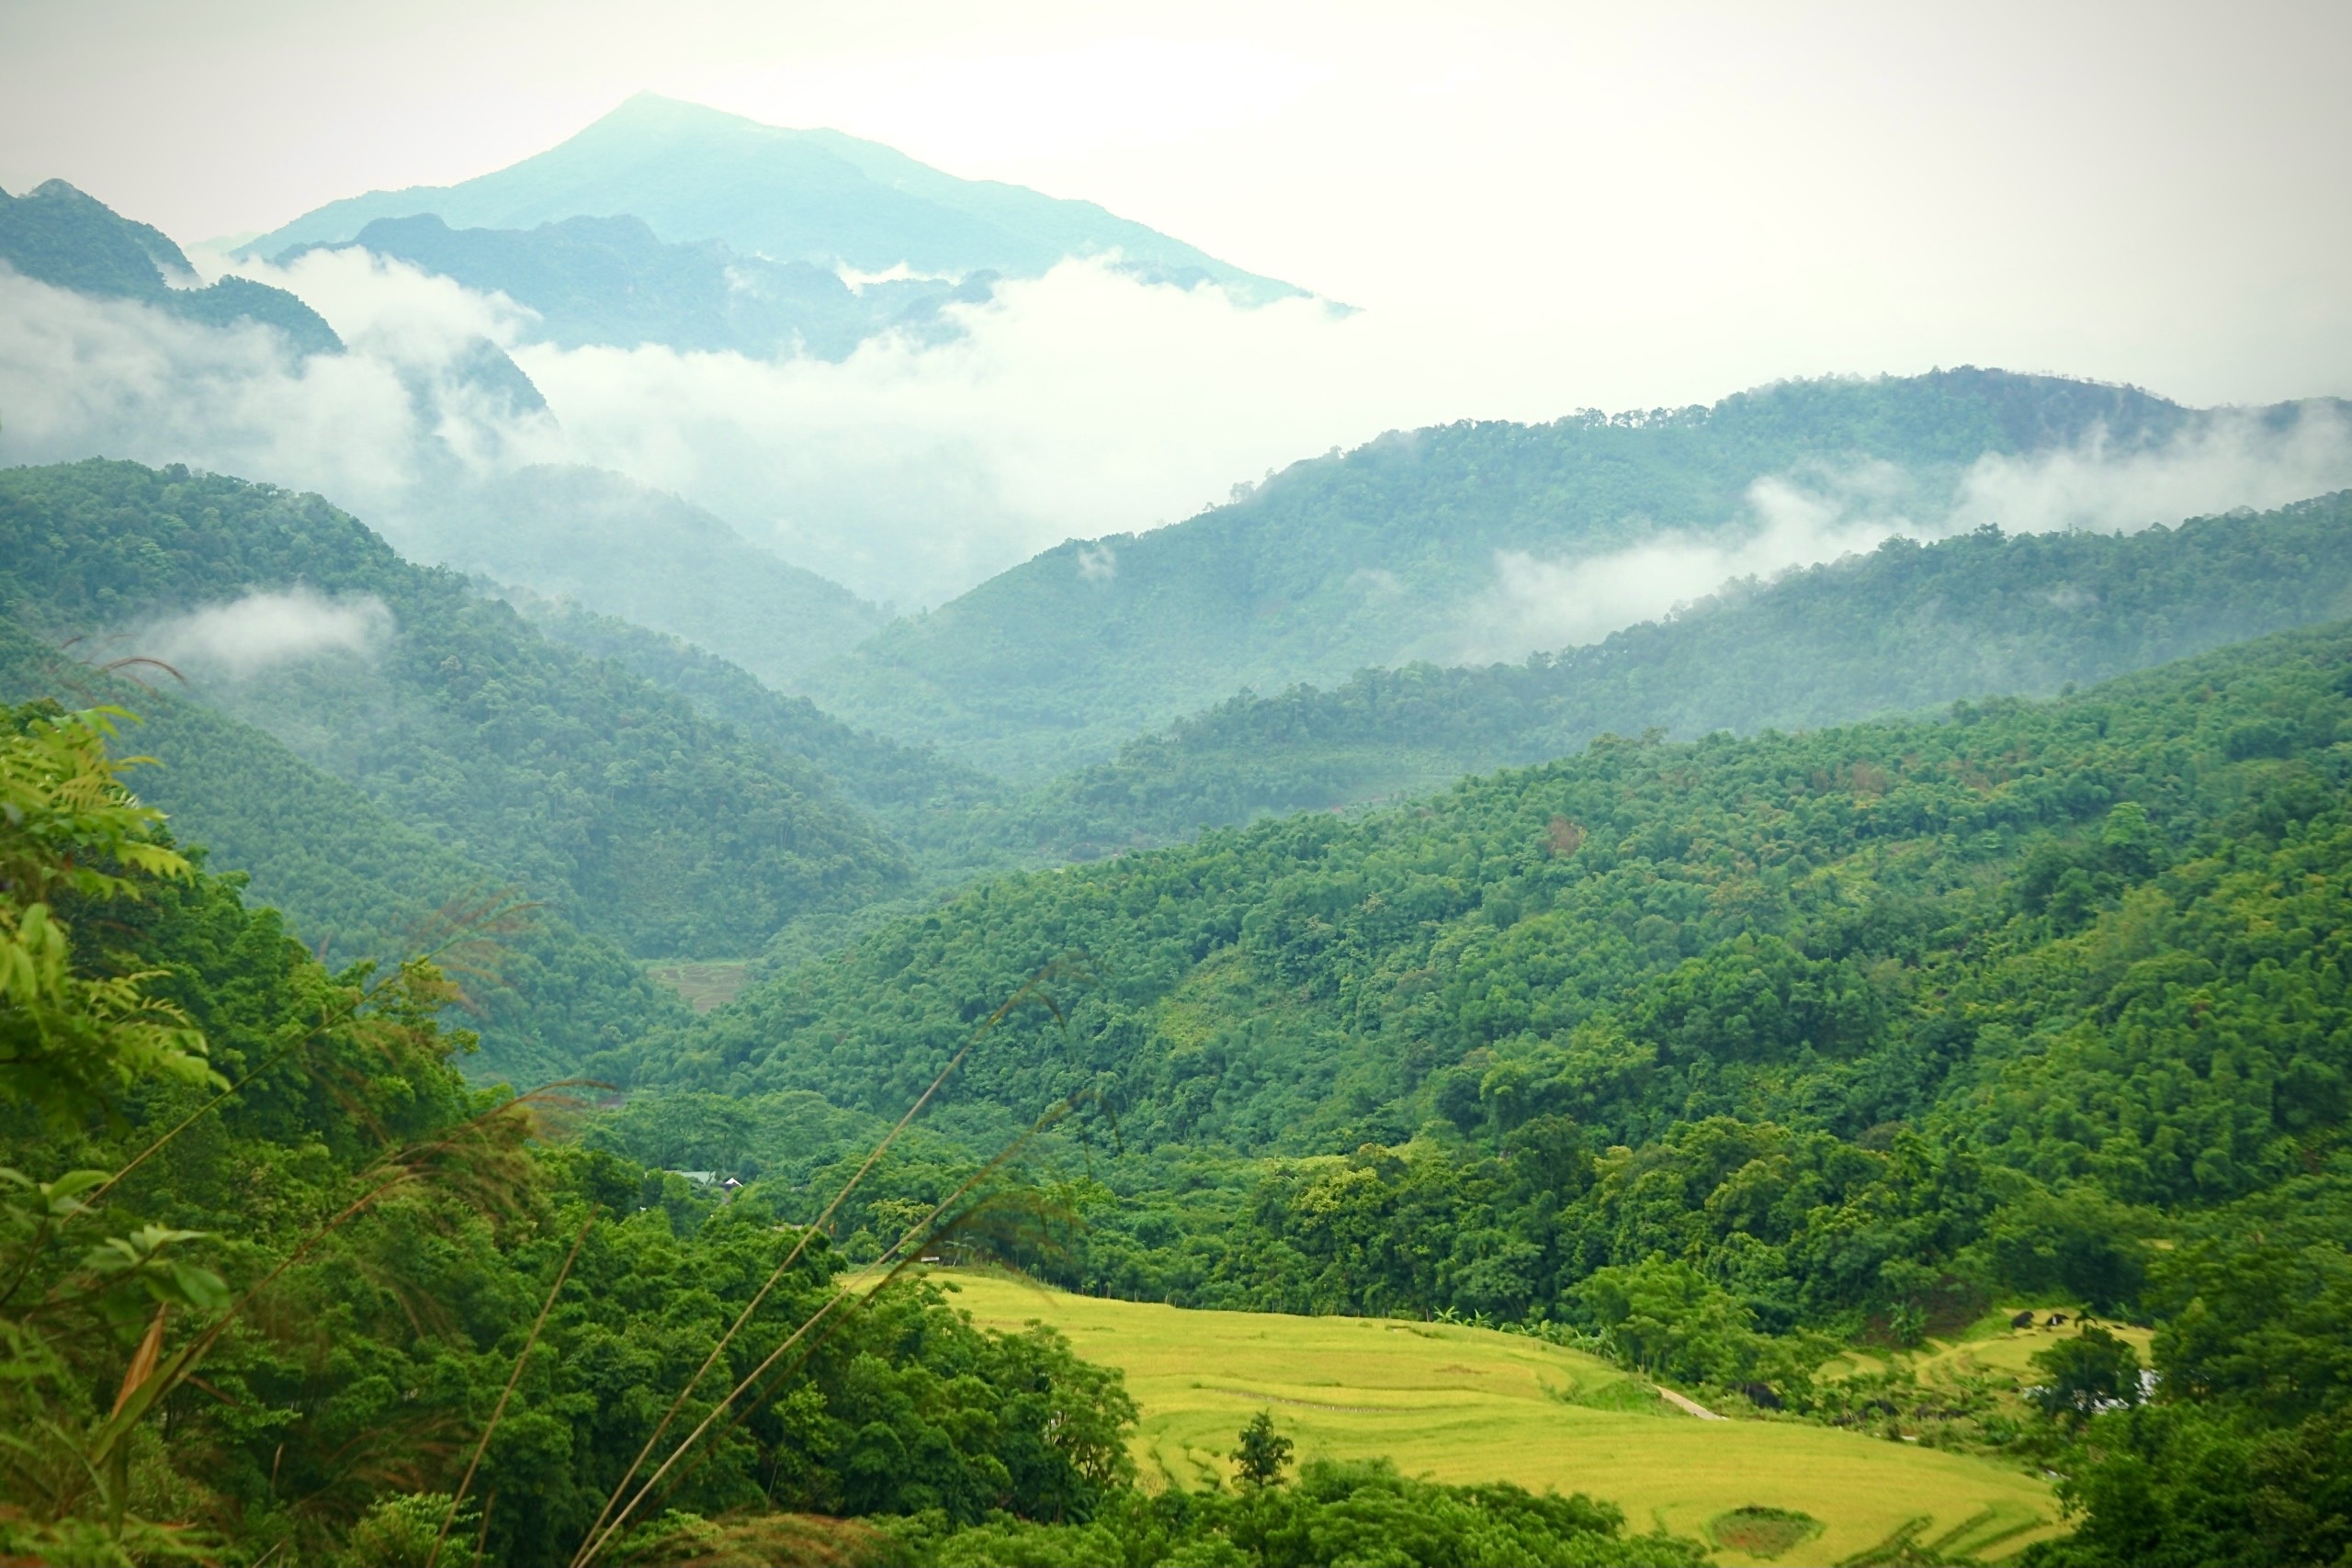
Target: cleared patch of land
[1990,1346]
[705,983]
[1465,1405]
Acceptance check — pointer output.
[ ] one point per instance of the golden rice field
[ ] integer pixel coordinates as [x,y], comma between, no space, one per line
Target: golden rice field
[1465,1405]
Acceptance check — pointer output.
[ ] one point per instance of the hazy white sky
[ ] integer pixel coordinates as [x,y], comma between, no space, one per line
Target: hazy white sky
[1614,205]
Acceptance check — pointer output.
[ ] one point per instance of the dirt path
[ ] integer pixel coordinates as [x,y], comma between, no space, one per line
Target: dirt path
[1688,1406]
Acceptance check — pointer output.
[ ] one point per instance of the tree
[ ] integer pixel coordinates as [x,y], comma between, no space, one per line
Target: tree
[2091,1372]
[69,833]
[1263,1455]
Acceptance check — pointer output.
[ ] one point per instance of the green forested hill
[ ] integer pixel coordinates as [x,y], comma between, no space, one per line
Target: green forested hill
[1388,554]
[1710,1057]
[1614,919]
[1906,627]
[252,1194]
[910,787]
[1703,1051]
[353,882]
[639,818]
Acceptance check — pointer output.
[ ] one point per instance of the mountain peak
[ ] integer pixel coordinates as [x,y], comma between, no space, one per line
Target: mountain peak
[694,172]
[645,112]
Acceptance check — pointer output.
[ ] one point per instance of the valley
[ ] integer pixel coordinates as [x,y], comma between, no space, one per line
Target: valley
[610,956]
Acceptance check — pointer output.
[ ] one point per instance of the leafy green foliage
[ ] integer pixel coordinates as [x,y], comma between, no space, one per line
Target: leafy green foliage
[639,819]
[2241,1452]
[2177,1487]
[352,1247]
[1263,1454]
[359,885]
[2255,1300]
[1337,1512]
[914,790]
[2094,1370]
[1680,1047]
[69,834]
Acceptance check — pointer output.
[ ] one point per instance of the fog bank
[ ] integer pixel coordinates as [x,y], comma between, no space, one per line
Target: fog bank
[1798,520]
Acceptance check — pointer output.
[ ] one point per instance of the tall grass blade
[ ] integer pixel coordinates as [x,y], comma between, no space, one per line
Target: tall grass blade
[904,1255]
[144,1359]
[593,1541]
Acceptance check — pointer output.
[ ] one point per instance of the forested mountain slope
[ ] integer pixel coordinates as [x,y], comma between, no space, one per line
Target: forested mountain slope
[814,196]
[1703,1049]
[353,882]
[643,555]
[1906,628]
[908,786]
[253,1194]
[1614,921]
[561,530]
[1393,553]
[639,819]
[57,235]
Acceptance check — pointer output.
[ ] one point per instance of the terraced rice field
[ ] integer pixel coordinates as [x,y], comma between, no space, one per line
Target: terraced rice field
[1463,1405]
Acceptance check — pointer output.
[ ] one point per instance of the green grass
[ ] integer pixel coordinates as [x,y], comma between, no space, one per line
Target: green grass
[1468,1404]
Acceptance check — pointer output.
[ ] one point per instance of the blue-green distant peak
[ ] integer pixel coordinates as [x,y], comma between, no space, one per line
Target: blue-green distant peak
[696,173]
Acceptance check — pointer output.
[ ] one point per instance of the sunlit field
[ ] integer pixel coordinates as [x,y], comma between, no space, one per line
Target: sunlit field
[1467,1404]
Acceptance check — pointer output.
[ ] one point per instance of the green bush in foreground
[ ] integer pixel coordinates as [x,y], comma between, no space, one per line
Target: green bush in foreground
[1364,1513]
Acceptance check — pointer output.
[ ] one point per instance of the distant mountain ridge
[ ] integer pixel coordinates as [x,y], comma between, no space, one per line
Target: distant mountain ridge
[821,197]
[645,556]
[561,530]
[1388,554]
[612,282]
[1906,628]
[67,239]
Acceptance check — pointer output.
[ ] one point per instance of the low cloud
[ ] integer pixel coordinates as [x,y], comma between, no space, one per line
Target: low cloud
[1535,603]
[262,630]
[1798,520]
[1082,404]
[2231,461]
[82,377]
[384,431]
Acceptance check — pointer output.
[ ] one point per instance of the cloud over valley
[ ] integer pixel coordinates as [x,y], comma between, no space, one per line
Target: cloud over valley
[1080,404]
